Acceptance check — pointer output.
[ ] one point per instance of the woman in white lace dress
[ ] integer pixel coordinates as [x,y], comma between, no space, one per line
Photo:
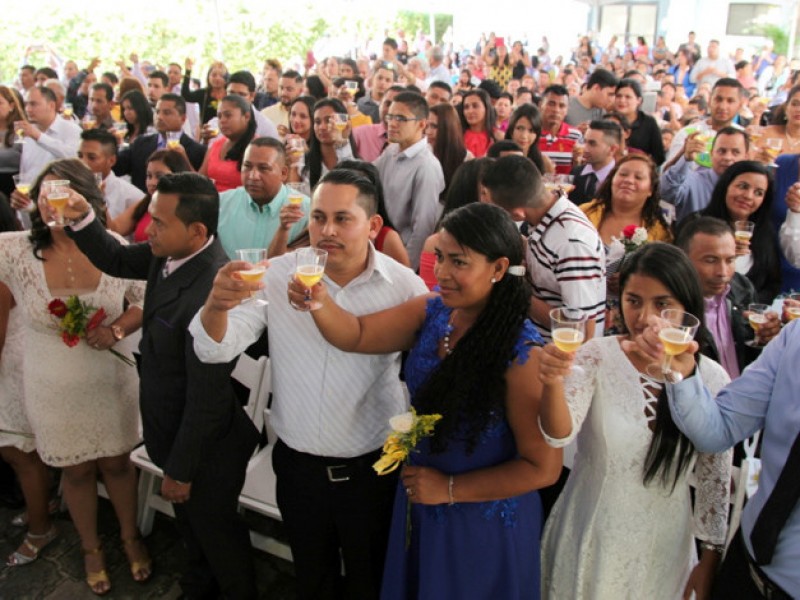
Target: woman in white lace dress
[81,401]
[624,526]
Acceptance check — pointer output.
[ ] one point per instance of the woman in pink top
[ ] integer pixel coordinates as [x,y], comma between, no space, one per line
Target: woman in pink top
[223,161]
[478,121]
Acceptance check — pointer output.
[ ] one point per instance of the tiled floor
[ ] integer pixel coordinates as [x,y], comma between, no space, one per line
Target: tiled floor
[58,573]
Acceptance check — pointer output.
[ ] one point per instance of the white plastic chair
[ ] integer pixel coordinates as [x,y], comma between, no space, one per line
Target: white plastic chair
[250,373]
[258,494]
[745,484]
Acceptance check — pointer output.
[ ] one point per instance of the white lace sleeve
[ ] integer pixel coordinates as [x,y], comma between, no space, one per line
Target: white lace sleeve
[579,389]
[712,474]
[134,292]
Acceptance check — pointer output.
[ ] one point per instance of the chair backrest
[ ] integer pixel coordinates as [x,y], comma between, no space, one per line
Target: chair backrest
[250,373]
[264,390]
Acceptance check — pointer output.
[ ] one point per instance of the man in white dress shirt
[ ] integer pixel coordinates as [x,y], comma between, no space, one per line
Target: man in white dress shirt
[330,408]
[98,151]
[47,138]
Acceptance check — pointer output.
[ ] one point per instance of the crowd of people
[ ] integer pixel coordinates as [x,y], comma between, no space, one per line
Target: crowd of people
[460,198]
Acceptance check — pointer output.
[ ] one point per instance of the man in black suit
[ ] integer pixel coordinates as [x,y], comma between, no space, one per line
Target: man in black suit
[194,428]
[170,117]
[601,143]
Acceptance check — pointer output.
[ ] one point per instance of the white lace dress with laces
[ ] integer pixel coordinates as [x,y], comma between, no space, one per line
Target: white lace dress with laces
[82,403]
[609,536]
[14,427]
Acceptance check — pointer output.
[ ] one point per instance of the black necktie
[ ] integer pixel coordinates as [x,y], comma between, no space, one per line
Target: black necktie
[776,510]
[591,186]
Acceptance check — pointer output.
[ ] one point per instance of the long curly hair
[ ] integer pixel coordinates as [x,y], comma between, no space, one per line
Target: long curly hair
[82,180]
[670,452]
[469,388]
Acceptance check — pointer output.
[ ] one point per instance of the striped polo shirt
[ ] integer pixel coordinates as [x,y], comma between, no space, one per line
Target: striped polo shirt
[566,262]
[558,147]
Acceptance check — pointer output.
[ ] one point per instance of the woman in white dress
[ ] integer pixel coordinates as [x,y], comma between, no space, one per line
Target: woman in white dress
[81,401]
[624,526]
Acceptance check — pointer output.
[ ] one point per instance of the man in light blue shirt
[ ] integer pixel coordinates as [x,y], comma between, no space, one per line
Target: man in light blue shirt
[688,186]
[250,216]
[764,397]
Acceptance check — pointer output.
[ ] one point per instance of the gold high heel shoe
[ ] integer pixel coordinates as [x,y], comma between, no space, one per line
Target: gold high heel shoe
[141,570]
[96,579]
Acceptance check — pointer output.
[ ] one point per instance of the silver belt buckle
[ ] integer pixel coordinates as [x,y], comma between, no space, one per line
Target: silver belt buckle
[333,477]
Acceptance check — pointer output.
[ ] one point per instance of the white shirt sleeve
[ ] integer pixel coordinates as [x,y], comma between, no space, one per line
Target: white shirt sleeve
[246,322]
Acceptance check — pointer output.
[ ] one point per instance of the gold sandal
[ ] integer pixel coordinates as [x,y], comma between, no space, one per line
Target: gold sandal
[141,570]
[96,578]
[33,543]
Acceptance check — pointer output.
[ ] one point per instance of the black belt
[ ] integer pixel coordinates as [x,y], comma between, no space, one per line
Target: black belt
[766,587]
[336,469]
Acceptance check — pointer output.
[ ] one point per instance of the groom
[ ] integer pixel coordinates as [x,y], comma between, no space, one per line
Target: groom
[194,428]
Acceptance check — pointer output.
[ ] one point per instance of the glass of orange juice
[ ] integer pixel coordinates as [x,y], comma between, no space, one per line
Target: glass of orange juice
[257,259]
[309,271]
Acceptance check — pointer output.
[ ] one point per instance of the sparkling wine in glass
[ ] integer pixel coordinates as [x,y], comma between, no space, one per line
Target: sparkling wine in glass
[568,330]
[756,318]
[56,192]
[257,259]
[310,267]
[677,331]
[296,195]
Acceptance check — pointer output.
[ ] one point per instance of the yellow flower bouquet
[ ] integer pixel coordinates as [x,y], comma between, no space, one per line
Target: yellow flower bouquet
[407,430]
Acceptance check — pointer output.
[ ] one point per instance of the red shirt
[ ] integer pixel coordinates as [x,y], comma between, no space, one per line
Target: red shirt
[558,147]
[477,142]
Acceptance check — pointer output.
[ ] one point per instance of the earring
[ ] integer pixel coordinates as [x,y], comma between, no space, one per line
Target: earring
[494,280]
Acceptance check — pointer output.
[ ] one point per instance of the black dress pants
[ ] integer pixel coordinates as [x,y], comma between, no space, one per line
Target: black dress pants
[334,510]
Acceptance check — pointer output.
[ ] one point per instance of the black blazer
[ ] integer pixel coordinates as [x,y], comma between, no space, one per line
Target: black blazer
[189,409]
[578,194]
[133,159]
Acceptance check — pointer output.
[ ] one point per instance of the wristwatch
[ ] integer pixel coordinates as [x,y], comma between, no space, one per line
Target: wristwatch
[118,332]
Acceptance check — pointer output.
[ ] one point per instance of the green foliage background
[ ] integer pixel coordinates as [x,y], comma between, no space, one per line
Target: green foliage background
[171,30]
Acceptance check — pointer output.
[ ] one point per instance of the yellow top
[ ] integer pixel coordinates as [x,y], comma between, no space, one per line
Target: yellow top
[595,211]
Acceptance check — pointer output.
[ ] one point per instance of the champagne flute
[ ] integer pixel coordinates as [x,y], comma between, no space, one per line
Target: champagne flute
[757,317]
[19,132]
[678,329]
[793,312]
[565,183]
[297,148]
[296,194]
[310,269]
[121,130]
[773,149]
[173,139]
[550,183]
[22,186]
[257,257]
[340,121]
[743,230]
[213,127]
[568,330]
[56,192]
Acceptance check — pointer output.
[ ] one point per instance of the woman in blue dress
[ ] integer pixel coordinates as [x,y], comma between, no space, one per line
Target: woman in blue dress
[475,512]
